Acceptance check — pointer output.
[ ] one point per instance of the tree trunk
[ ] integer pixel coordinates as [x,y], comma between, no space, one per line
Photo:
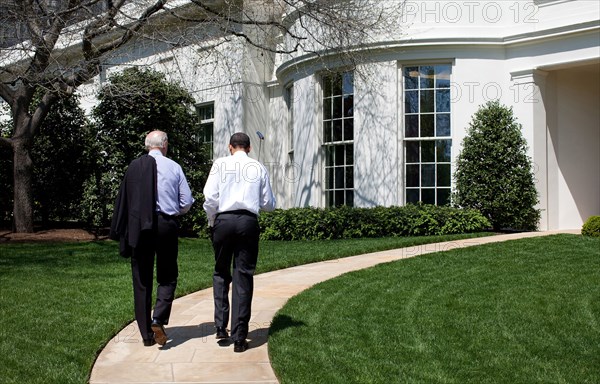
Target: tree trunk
[23,192]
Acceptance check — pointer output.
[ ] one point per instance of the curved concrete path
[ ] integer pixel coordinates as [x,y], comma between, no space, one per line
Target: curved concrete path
[192,354]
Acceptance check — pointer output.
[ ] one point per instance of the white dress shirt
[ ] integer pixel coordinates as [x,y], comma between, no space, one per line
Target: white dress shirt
[237,182]
[174,194]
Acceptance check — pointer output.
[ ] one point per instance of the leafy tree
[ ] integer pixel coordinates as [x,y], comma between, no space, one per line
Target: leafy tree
[133,103]
[61,162]
[494,174]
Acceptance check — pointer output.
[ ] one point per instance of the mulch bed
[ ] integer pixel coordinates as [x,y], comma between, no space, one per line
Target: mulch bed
[51,235]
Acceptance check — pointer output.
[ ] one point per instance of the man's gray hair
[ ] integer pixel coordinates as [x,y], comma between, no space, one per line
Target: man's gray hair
[156,139]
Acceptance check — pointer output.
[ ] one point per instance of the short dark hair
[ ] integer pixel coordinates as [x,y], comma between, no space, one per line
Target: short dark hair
[240,139]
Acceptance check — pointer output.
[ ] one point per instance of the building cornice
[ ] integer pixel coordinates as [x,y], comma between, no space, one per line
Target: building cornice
[328,59]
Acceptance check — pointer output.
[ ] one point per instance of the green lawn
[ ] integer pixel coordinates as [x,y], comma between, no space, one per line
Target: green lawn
[524,311]
[61,303]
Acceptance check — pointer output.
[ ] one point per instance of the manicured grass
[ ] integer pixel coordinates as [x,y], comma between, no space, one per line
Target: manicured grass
[61,303]
[524,311]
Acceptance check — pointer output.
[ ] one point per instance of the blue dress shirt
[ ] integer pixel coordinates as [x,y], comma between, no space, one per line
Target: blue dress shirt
[174,194]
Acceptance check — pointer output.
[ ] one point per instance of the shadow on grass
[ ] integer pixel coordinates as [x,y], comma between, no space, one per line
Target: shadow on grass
[281,322]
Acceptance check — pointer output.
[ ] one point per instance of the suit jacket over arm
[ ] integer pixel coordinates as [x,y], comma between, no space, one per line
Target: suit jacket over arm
[135,205]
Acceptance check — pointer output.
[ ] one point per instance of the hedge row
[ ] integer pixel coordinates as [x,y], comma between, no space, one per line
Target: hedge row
[345,222]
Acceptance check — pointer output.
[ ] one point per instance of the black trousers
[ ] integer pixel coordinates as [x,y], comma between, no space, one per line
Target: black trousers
[235,238]
[161,242]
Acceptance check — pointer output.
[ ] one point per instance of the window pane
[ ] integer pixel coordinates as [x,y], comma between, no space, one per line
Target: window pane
[428,175]
[337,107]
[329,157]
[337,85]
[339,155]
[337,130]
[412,152]
[329,178]
[411,77]
[348,83]
[348,129]
[327,109]
[442,100]
[349,177]
[206,133]
[411,101]
[427,101]
[442,78]
[427,128]
[339,198]
[427,76]
[428,196]
[327,86]
[442,125]
[443,196]
[349,154]
[330,201]
[443,175]
[444,148]
[339,177]
[412,175]
[412,196]
[427,151]
[350,198]
[348,106]
[412,126]
[327,131]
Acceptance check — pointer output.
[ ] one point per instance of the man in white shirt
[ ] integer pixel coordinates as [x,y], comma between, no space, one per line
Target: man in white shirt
[237,188]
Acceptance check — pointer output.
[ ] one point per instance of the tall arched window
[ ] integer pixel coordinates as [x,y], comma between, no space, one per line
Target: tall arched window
[338,138]
[427,134]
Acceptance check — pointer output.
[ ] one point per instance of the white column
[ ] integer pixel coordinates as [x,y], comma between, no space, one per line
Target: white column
[530,109]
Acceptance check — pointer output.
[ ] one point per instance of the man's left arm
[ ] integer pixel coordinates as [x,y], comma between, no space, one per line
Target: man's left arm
[185,195]
[267,201]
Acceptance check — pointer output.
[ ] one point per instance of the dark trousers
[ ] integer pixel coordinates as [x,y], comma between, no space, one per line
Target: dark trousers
[162,243]
[235,238]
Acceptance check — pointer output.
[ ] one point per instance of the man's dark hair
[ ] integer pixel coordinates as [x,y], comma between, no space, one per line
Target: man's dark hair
[240,139]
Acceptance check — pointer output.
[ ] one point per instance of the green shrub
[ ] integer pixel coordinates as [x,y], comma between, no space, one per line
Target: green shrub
[346,222]
[591,227]
[133,103]
[494,173]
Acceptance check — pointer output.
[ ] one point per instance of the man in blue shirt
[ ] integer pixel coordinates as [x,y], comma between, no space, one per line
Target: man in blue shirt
[153,193]
[237,188]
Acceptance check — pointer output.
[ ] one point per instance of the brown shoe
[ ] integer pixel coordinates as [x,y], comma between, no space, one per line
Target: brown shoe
[159,332]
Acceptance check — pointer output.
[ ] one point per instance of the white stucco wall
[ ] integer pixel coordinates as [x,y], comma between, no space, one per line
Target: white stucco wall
[307,191]
[377,145]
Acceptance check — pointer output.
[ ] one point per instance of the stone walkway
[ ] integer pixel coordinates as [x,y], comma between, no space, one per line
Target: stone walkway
[192,354]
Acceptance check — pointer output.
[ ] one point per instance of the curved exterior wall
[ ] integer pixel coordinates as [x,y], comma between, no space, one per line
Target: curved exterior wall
[539,57]
[542,58]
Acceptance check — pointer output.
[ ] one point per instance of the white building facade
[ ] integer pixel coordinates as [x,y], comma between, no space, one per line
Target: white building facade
[388,131]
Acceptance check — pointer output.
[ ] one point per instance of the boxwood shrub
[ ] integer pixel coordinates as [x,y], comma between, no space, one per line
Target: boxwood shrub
[591,227]
[345,222]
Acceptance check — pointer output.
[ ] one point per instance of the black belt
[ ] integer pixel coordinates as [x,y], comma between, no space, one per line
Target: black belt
[170,217]
[238,212]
